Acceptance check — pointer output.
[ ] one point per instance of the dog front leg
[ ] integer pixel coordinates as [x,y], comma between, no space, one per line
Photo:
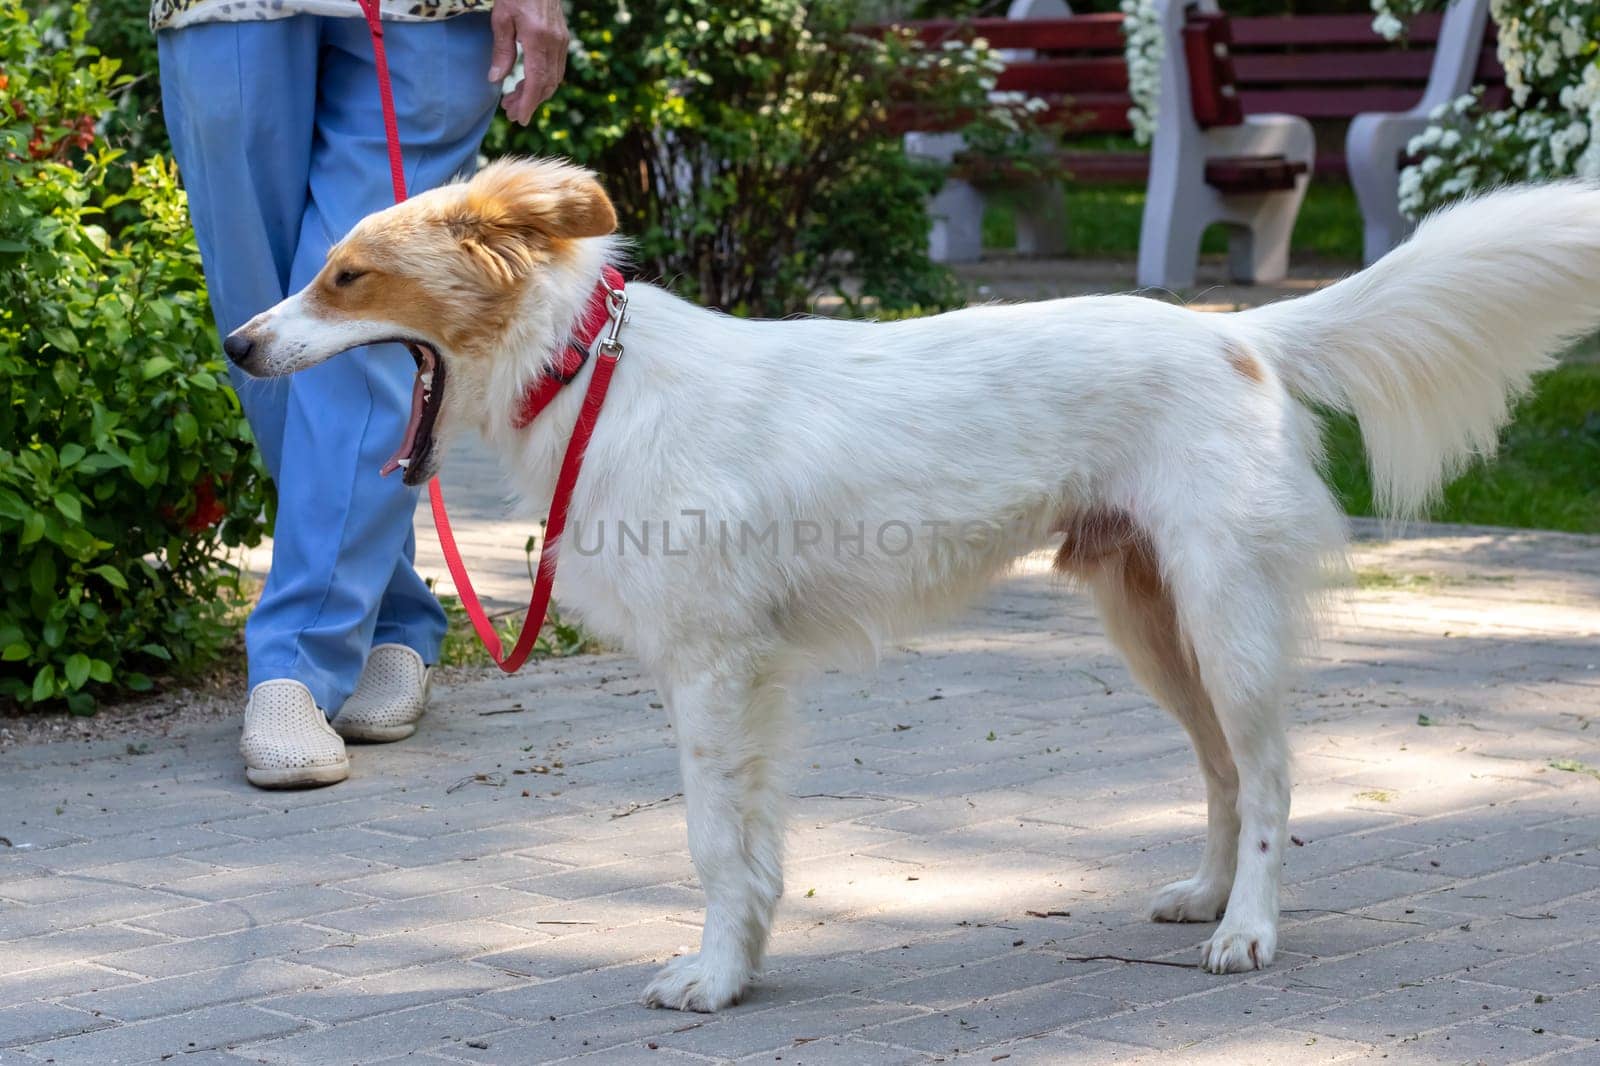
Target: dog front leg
[729,747]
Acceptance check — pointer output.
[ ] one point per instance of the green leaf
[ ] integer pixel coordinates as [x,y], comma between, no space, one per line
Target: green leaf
[100,670]
[138,682]
[16,652]
[186,427]
[61,337]
[111,575]
[155,366]
[44,683]
[32,528]
[70,506]
[77,670]
[71,454]
[11,505]
[157,651]
[42,573]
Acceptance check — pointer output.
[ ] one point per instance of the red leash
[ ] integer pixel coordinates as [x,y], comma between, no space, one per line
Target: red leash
[606,304]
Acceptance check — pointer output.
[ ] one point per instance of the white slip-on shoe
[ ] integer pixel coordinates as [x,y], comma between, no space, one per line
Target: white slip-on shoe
[287,742]
[391,696]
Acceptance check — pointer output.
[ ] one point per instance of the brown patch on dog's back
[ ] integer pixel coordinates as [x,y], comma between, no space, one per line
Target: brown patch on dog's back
[1241,359]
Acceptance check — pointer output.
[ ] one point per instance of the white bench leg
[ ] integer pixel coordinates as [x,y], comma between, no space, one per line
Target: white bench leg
[1258,251]
[957,209]
[1041,219]
[957,233]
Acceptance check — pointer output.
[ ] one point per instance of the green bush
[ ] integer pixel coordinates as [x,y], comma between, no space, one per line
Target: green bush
[749,148]
[125,461]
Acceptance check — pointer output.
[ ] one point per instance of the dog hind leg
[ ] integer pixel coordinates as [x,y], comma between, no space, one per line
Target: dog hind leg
[1243,616]
[730,733]
[1118,565]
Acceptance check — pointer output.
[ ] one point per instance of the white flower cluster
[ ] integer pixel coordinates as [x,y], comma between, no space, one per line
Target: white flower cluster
[1550,50]
[1142,45]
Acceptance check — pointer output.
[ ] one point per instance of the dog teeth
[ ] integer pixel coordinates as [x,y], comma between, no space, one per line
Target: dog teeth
[427,381]
[403,464]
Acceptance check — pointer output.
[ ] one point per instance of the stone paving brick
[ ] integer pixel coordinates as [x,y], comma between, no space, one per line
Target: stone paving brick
[331,999]
[209,988]
[53,982]
[1489,1043]
[286,939]
[108,904]
[30,1023]
[554,956]
[169,1035]
[420,912]
[1399,1013]
[195,919]
[787,1028]
[59,949]
[987,1022]
[575,1034]
[1571,1014]
[969,981]
[533,1000]
[1192,1019]
[1565,970]
[456,940]
[376,1038]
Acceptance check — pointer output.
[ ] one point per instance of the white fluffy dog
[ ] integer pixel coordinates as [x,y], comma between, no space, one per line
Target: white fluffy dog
[759,496]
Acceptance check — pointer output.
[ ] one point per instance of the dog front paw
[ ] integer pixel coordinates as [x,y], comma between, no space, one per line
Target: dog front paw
[1192,900]
[689,983]
[1238,949]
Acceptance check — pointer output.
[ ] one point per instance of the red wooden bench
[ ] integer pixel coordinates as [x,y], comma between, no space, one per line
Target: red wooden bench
[1235,71]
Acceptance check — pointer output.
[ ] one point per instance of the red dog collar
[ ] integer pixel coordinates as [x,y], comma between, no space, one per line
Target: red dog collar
[543,391]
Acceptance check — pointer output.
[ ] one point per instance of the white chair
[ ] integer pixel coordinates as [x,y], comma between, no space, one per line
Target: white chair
[1376,140]
[1179,205]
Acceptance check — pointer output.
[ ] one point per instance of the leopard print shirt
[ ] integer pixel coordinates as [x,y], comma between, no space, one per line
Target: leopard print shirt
[173,14]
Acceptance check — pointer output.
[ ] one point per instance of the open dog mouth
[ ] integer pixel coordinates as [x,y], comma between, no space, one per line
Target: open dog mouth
[427,393]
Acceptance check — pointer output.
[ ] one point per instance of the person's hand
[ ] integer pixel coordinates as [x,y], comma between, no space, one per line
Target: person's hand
[540,26]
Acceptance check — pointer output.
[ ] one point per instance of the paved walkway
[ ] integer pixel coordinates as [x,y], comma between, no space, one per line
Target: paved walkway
[980,816]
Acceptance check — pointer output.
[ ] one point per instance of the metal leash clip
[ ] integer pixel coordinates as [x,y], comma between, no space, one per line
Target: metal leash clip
[617,305]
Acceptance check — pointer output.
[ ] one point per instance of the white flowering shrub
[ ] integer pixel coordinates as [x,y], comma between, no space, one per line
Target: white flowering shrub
[1142,46]
[1550,50]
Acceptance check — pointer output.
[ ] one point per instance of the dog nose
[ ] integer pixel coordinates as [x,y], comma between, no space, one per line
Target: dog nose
[238,348]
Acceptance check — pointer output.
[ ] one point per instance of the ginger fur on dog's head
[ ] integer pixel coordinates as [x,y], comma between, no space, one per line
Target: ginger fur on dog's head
[452,263]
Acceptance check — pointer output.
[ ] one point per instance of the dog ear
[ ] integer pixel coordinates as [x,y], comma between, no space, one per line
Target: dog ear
[515,208]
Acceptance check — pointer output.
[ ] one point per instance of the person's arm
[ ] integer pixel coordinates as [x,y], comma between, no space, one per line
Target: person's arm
[540,26]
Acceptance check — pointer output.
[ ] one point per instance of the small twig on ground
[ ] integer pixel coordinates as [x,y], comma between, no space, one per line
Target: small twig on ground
[1096,678]
[496,779]
[1049,914]
[1124,958]
[1348,914]
[843,796]
[634,808]
[1532,917]
[502,710]
[555,921]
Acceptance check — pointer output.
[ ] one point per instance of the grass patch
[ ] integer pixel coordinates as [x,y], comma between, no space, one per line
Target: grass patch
[557,639]
[1546,476]
[1103,221]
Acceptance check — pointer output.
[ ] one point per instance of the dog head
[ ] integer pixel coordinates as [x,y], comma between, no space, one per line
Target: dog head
[450,273]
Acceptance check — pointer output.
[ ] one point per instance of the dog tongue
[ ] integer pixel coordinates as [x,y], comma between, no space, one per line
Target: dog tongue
[409,441]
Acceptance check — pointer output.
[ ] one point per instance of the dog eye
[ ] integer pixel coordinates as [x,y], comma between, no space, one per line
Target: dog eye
[347,276]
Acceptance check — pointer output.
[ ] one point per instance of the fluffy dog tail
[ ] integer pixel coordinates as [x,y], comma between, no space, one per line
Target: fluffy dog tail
[1429,346]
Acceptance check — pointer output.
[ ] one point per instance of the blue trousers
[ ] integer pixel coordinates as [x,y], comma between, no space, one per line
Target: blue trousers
[278,133]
